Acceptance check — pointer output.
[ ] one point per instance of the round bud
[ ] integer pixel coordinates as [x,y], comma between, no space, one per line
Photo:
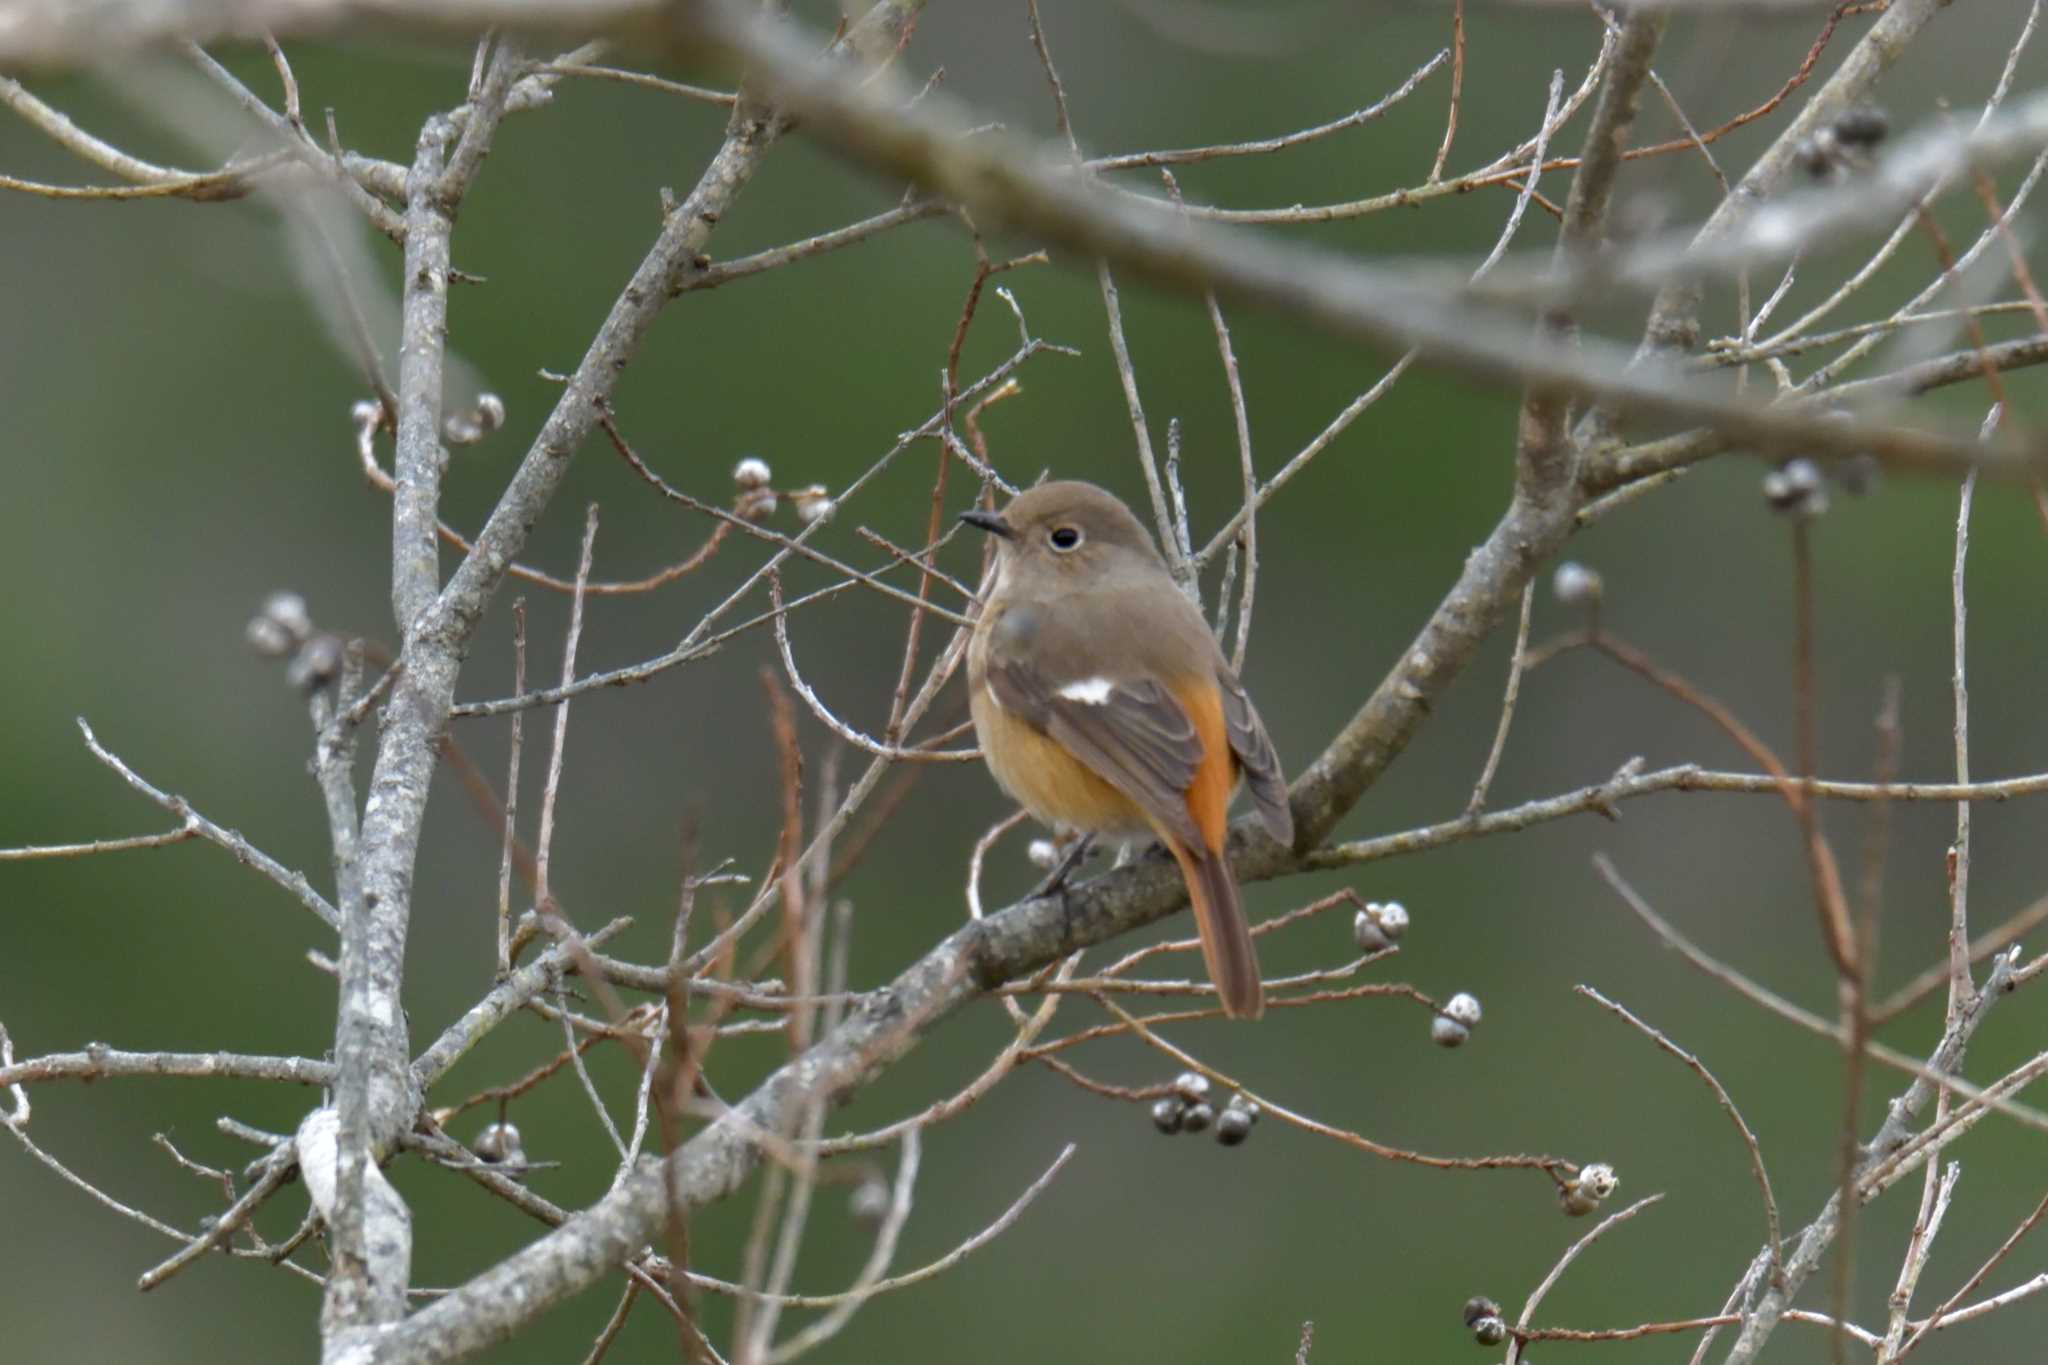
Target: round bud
[1575,585]
[1819,155]
[1489,1331]
[1863,127]
[468,428]
[499,1144]
[1198,1117]
[1479,1306]
[1239,1104]
[1233,1125]
[267,637]
[1796,489]
[1599,1180]
[756,504]
[1393,918]
[366,412]
[1168,1113]
[288,610]
[1447,1032]
[1043,853]
[1365,928]
[752,472]
[317,665]
[1587,1190]
[1191,1086]
[1463,1007]
[869,1201]
[813,504]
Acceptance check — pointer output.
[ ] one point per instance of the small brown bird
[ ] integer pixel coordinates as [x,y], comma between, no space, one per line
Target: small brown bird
[1105,707]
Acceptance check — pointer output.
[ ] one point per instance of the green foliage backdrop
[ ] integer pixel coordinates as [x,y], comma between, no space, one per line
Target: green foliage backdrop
[177,446]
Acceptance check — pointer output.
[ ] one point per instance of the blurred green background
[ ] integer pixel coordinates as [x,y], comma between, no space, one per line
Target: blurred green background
[176,419]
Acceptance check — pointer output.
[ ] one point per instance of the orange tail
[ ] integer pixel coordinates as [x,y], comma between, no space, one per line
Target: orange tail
[1226,939]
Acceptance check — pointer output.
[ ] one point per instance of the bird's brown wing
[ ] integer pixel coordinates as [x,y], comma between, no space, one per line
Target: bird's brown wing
[1255,755]
[1136,736]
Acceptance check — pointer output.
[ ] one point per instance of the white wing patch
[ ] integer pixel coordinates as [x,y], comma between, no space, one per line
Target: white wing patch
[1089,691]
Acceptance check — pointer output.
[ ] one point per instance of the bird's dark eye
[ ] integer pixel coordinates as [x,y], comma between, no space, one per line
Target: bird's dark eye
[1065,537]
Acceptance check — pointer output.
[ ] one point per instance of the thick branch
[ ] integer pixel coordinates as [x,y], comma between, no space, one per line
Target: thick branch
[1002,180]
[1674,321]
[374,1094]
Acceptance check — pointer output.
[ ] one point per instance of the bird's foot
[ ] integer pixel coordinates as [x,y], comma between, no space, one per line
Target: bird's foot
[1078,850]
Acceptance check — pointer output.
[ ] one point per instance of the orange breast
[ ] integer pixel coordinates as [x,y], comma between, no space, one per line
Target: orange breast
[1055,787]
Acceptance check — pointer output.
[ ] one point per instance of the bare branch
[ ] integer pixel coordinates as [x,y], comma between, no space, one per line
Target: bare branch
[1772,1238]
[245,853]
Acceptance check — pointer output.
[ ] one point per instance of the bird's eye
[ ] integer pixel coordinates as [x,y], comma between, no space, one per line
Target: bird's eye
[1065,537]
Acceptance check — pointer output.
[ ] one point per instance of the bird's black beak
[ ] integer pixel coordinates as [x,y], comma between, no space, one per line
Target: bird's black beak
[992,522]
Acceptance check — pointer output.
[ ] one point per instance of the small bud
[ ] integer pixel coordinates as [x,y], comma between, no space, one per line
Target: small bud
[267,637]
[1463,1007]
[1490,1331]
[1796,489]
[1233,1125]
[499,1144]
[366,412]
[1191,1086]
[468,428]
[316,665]
[1168,1113]
[756,504]
[1043,853]
[1479,1306]
[1863,127]
[1448,1032]
[1819,156]
[813,504]
[1249,1108]
[287,611]
[1575,585]
[1392,917]
[752,472]
[1365,929]
[1587,1190]
[1198,1117]
[869,1201]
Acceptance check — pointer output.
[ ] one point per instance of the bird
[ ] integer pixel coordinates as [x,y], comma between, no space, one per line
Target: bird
[1104,705]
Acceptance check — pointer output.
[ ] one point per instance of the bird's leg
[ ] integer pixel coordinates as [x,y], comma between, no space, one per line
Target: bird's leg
[1057,882]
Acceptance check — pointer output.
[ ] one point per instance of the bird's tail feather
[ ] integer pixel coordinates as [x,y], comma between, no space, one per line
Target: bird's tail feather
[1226,938]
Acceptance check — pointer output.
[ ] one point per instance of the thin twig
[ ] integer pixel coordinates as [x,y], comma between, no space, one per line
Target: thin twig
[244,852]
[1477,802]
[1940,1316]
[512,804]
[1772,1236]
[1262,146]
[1571,1253]
[1443,151]
[543,843]
[1806,1019]
[1549,1165]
